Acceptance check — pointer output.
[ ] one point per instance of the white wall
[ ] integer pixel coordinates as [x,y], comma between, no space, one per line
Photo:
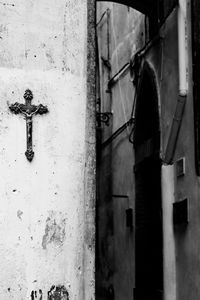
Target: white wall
[168,197]
[42,48]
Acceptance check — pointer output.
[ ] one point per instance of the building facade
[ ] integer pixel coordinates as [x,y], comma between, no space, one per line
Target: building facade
[148,200]
[147,118]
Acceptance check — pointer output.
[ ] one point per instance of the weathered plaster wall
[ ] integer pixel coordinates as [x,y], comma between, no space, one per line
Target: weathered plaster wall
[43,48]
[187,186]
[182,251]
[120,34]
[181,244]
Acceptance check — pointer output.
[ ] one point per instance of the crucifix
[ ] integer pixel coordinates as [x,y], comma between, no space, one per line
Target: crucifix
[28,110]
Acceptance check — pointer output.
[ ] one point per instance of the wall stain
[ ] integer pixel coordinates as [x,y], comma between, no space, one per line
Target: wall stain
[19,214]
[7,4]
[58,293]
[49,56]
[36,295]
[54,231]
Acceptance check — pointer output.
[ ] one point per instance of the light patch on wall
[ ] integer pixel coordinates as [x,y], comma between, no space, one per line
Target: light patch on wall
[54,230]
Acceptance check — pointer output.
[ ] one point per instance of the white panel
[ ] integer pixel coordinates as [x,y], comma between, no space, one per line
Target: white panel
[42,48]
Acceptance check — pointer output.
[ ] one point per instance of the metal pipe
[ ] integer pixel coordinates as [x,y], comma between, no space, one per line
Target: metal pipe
[117,76]
[127,66]
[169,259]
[173,136]
[183,82]
[182,48]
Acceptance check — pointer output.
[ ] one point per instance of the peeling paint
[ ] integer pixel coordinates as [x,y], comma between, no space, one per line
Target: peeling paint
[58,293]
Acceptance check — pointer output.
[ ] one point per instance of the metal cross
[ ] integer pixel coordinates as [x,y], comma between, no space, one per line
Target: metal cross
[28,110]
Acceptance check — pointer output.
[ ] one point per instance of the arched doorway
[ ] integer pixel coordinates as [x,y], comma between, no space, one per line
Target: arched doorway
[148,204]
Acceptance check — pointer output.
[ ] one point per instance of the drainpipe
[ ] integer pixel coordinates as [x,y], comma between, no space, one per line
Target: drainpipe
[183,82]
[182,48]
[168,172]
[169,259]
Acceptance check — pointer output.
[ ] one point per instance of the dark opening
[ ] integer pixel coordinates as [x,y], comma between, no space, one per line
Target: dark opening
[148,206]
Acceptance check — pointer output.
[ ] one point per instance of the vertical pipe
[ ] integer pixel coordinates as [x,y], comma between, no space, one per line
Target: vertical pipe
[182,48]
[169,259]
[108,37]
[183,82]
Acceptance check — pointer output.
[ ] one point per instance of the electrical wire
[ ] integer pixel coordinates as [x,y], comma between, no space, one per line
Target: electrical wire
[102,16]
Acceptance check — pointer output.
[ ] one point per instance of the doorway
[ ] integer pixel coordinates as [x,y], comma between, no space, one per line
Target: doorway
[148,203]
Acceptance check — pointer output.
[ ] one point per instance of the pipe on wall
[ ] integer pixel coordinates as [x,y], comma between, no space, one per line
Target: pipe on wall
[183,82]
[182,48]
[169,258]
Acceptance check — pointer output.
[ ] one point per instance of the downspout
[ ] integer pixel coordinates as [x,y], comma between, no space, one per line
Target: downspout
[168,172]
[182,48]
[169,256]
[183,83]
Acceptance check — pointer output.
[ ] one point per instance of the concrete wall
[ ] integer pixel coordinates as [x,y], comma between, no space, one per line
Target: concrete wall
[120,34]
[43,47]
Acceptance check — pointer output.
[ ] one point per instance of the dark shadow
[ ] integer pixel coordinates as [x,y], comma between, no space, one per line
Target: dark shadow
[148,204]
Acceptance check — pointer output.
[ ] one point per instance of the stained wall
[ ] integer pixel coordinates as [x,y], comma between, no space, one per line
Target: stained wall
[43,47]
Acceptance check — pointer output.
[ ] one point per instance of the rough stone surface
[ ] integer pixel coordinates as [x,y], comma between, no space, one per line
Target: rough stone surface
[90,157]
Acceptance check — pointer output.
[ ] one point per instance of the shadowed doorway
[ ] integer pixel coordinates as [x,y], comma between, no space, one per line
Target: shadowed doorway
[148,205]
